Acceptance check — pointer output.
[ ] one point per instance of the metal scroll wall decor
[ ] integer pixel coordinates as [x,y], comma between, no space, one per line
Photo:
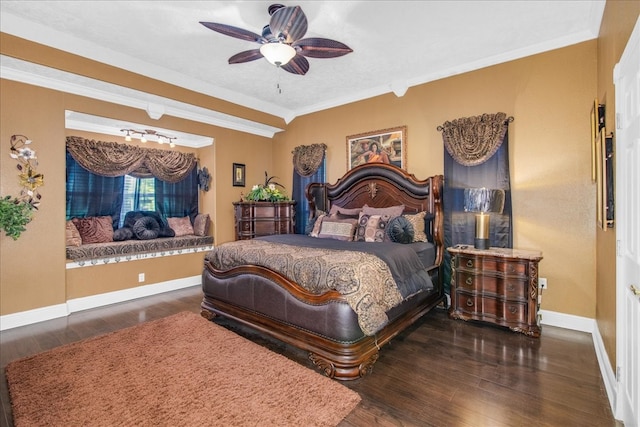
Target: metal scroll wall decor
[17,212]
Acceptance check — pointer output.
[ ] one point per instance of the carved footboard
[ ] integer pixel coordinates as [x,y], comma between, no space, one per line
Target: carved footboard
[324,325]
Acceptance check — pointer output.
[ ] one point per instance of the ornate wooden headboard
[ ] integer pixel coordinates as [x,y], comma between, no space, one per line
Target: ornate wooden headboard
[382,185]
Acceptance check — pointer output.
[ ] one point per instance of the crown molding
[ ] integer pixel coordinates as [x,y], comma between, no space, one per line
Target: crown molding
[38,75]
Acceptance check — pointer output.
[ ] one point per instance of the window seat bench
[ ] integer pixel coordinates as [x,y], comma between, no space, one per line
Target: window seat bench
[128,250]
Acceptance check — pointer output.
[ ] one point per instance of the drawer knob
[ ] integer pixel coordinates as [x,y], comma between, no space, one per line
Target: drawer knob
[513,309]
[469,281]
[469,302]
[469,263]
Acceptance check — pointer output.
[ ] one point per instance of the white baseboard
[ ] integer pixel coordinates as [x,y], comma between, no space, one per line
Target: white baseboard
[606,370]
[567,321]
[29,317]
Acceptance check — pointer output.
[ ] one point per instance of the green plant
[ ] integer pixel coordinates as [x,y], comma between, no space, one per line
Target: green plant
[15,214]
[267,192]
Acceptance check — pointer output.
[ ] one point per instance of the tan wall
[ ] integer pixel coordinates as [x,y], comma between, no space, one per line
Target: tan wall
[617,24]
[550,96]
[32,269]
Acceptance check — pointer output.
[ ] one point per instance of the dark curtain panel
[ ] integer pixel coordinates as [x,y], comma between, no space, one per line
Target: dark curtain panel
[302,204]
[89,194]
[178,199]
[459,226]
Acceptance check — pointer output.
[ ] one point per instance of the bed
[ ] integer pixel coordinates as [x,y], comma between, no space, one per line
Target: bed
[266,287]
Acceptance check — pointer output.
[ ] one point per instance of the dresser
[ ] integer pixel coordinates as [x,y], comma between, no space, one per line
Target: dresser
[255,219]
[496,285]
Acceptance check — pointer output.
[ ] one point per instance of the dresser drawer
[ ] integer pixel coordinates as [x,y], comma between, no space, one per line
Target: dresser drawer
[493,265]
[511,288]
[482,306]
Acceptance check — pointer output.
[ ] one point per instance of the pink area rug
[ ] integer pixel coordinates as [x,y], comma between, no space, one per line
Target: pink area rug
[181,370]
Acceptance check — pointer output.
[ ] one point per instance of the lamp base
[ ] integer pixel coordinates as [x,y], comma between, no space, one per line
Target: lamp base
[481,243]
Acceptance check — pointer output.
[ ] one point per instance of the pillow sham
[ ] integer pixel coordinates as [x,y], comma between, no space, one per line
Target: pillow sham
[146,228]
[417,221]
[181,226]
[372,228]
[72,235]
[338,229]
[400,230]
[97,229]
[391,211]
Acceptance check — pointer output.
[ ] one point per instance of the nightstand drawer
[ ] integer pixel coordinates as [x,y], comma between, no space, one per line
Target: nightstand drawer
[506,287]
[493,265]
[477,305]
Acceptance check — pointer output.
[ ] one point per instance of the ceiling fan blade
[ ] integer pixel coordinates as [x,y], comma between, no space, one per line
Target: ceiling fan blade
[298,65]
[321,48]
[236,32]
[288,23]
[246,56]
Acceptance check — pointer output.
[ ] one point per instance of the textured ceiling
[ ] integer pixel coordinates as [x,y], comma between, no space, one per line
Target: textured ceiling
[396,44]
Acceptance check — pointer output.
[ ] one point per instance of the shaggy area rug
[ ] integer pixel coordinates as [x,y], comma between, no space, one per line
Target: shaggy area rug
[181,370]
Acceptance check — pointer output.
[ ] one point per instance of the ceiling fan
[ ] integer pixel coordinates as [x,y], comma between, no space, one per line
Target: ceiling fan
[282,42]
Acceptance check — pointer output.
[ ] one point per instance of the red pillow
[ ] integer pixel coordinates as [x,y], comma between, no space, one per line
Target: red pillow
[97,229]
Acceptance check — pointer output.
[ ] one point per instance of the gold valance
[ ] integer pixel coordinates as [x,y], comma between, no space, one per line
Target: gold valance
[308,158]
[113,159]
[473,140]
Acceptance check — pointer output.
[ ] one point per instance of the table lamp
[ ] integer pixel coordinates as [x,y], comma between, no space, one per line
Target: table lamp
[483,202]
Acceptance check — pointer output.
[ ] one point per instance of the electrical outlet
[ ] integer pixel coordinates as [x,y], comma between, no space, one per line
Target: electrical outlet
[542,283]
[140,277]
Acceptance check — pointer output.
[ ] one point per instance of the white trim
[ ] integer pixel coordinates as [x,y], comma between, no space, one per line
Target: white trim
[39,75]
[136,257]
[37,315]
[14,320]
[606,370]
[567,321]
[93,301]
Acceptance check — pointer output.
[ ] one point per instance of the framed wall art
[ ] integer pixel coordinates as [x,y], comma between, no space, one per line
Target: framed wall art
[238,175]
[604,181]
[597,124]
[380,146]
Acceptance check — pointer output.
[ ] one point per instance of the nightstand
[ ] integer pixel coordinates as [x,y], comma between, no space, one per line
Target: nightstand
[496,285]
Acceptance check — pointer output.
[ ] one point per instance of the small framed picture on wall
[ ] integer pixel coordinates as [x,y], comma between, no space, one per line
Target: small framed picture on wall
[238,175]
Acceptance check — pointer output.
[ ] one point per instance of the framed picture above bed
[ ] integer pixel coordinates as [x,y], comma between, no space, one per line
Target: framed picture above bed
[380,146]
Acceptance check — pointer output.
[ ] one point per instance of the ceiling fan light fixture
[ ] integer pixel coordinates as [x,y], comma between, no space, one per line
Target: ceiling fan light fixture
[277,53]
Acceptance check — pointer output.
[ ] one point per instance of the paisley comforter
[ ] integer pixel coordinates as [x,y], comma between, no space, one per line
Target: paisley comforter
[371,283]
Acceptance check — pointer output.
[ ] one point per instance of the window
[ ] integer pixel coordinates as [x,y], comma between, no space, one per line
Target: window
[138,195]
[89,194]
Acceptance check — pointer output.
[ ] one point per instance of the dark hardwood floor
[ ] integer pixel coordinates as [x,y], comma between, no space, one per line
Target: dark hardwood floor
[439,372]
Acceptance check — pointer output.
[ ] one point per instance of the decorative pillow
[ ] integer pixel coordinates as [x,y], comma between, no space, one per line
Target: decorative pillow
[315,231]
[121,234]
[400,230]
[97,229]
[392,211]
[73,235]
[345,212]
[417,221]
[181,226]
[201,225]
[372,228]
[338,229]
[146,228]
